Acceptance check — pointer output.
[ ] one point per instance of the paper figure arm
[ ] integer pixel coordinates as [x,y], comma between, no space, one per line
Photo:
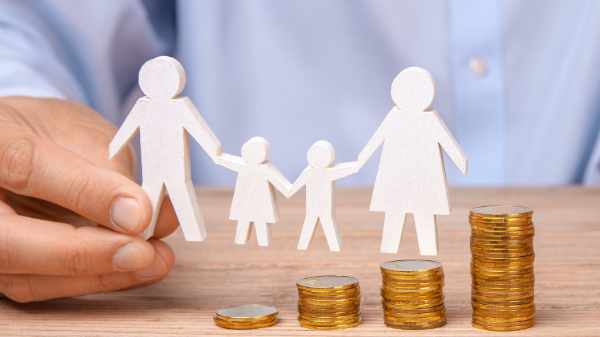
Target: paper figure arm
[231,162]
[130,126]
[299,183]
[373,144]
[197,127]
[449,143]
[278,180]
[343,170]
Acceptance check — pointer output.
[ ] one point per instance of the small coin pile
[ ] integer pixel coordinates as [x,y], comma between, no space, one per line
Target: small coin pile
[502,260]
[412,294]
[328,302]
[244,317]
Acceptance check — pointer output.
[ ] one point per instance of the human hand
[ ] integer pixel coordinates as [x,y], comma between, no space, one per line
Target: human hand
[56,184]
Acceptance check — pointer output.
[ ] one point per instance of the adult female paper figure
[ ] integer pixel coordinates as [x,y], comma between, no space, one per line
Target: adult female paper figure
[411,176]
[253,198]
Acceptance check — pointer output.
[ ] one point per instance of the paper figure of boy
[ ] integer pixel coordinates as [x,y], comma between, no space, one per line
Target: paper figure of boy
[164,120]
[253,199]
[319,178]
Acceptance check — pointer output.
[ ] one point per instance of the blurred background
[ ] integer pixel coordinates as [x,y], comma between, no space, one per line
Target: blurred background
[517,82]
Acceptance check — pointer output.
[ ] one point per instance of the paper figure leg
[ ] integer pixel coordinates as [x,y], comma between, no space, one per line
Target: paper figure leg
[185,203]
[308,229]
[156,194]
[242,232]
[392,232]
[263,236]
[426,234]
[332,233]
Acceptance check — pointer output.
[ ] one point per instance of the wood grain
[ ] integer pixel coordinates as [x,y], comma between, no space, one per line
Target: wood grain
[216,273]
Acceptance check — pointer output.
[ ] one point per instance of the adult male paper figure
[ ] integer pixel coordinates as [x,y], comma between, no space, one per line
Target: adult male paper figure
[165,120]
[411,176]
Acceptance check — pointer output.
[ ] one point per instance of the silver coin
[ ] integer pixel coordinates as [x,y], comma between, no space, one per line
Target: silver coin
[247,311]
[502,210]
[411,265]
[327,281]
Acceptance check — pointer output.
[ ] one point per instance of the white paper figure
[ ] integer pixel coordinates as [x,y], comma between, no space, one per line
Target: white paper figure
[253,198]
[411,176]
[164,120]
[319,178]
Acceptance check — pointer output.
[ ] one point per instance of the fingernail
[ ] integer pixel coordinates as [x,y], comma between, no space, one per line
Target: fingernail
[125,213]
[132,256]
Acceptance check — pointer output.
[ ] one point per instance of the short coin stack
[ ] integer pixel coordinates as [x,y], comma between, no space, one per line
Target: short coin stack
[502,267]
[412,293]
[250,316]
[328,302]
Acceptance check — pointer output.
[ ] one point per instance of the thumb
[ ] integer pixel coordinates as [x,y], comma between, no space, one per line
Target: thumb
[35,168]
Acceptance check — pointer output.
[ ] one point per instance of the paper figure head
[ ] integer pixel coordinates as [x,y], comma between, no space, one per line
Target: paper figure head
[321,154]
[256,150]
[413,89]
[162,77]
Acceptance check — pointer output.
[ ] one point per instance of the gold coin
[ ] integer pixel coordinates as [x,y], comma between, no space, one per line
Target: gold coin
[247,312]
[413,319]
[502,306]
[434,308]
[251,316]
[327,282]
[510,327]
[416,326]
[502,211]
[245,327]
[414,292]
[313,326]
[401,314]
[412,268]
[512,229]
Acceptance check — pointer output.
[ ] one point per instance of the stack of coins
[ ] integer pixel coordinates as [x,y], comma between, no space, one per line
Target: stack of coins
[244,317]
[328,302]
[502,268]
[413,295]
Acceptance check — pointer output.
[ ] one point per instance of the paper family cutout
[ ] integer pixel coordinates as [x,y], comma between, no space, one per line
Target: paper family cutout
[410,179]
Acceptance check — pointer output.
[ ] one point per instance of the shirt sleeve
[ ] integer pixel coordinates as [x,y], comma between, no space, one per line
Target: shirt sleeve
[32,56]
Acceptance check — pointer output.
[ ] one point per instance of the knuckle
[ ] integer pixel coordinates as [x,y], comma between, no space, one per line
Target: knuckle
[77,261]
[77,192]
[16,162]
[105,283]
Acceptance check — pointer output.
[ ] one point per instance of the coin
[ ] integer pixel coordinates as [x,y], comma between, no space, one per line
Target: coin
[249,316]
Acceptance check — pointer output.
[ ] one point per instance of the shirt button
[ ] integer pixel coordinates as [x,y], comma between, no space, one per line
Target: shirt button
[478,66]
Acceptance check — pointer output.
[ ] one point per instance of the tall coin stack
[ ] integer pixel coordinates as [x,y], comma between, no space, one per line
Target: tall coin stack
[328,302]
[412,293]
[502,268]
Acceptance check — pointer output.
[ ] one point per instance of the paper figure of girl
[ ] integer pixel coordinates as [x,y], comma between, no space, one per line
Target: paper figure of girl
[411,176]
[253,199]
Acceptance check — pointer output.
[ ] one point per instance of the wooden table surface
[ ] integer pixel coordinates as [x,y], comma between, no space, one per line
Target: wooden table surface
[216,273]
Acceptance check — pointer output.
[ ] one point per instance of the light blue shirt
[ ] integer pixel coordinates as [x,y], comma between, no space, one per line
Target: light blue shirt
[518,82]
